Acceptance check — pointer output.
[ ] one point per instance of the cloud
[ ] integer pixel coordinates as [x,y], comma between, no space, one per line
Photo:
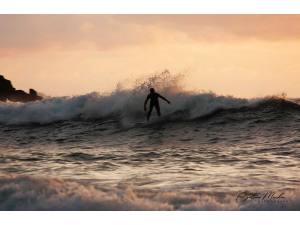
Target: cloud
[209,27]
[103,32]
[66,31]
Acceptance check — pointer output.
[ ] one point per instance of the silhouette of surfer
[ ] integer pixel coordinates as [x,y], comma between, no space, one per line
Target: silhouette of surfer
[154,102]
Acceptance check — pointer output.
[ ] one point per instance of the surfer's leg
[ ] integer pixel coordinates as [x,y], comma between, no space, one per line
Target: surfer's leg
[149,112]
[157,109]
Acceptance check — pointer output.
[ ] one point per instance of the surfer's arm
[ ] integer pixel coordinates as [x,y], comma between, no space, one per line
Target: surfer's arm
[145,103]
[162,97]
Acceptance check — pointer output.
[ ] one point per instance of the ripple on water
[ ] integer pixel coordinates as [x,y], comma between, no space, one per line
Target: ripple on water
[263,162]
[80,156]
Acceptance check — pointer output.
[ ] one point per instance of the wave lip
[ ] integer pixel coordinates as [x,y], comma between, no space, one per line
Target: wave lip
[36,193]
[123,106]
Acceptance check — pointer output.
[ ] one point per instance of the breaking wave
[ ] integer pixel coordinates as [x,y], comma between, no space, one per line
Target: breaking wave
[126,105]
[123,105]
[36,193]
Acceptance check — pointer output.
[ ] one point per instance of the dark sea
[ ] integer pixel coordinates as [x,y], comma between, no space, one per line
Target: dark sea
[97,152]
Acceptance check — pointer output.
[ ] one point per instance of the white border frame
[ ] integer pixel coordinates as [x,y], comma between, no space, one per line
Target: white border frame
[149,218]
[150,6]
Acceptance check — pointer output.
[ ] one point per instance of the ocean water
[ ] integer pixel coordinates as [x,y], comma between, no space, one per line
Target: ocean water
[97,152]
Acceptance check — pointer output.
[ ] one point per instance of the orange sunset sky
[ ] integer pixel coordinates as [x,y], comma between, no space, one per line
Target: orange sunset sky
[240,55]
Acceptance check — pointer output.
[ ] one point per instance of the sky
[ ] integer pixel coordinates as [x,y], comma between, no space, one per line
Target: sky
[240,55]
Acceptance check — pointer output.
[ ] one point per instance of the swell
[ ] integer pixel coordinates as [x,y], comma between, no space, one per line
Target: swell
[37,193]
[126,107]
[265,107]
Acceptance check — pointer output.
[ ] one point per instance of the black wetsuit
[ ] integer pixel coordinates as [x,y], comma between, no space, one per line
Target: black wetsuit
[154,102]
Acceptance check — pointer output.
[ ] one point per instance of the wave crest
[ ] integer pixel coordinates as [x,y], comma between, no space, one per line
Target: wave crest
[126,105]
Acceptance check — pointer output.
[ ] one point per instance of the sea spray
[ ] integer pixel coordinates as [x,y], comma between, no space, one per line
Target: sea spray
[122,104]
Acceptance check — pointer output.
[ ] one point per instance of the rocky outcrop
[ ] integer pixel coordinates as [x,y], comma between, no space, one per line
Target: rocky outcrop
[8,92]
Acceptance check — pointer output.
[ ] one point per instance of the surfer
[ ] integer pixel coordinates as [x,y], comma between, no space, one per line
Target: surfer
[153,96]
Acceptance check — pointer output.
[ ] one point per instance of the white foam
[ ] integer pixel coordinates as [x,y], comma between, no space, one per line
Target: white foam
[37,193]
[127,105]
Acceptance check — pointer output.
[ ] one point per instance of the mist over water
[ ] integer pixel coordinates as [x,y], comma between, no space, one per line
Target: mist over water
[96,152]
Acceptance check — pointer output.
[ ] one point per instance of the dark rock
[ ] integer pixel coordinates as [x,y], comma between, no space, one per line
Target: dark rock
[8,92]
[33,92]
